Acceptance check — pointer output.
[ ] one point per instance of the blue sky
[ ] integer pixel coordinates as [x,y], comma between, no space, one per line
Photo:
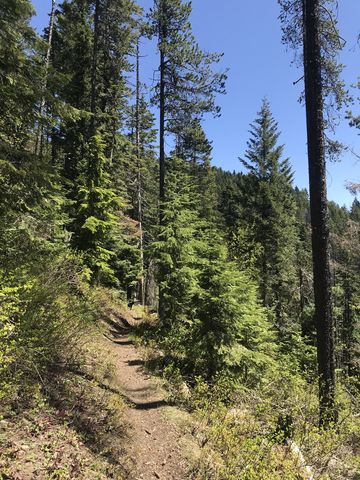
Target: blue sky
[249,35]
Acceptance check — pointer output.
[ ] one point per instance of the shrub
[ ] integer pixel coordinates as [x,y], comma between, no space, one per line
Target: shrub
[241,437]
[43,325]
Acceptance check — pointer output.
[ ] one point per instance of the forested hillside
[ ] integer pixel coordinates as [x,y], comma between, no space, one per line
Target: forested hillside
[249,287]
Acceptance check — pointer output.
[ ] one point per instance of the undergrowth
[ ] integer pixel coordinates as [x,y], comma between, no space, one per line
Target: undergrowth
[268,431]
[55,372]
[271,433]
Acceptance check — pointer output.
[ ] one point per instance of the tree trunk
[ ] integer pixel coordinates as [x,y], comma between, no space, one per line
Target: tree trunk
[94,66]
[39,136]
[162,39]
[162,36]
[347,328]
[139,183]
[301,288]
[319,211]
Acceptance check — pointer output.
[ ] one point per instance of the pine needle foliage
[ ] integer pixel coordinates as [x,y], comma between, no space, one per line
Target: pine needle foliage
[269,206]
[213,320]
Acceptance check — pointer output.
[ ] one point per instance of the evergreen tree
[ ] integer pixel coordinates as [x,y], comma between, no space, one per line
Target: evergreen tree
[98,214]
[19,74]
[187,85]
[214,323]
[194,147]
[141,183]
[304,265]
[71,60]
[176,247]
[269,207]
[355,211]
[231,334]
[93,91]
[229,192]
[311,26]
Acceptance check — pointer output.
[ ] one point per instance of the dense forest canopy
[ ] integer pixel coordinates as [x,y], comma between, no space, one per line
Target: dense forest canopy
[254,283]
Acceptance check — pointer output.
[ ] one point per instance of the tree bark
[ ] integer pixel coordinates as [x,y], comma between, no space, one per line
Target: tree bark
[301,288]
[39,136]
[319,210]
[94,66]
[162,37]
[139,183]
[162,126]
[348,333]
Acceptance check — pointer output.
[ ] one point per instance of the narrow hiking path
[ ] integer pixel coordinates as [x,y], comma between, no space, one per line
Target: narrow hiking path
[155,442]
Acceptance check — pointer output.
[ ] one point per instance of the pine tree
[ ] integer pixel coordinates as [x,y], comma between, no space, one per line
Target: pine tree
[194,147]
[175,251]
[214,323]
[304,265]
[187,85]
[186,82]
[311,26]
[231,335]
[229,192]
[98,214]
[318,206]
[93,91]
[19,75]
[269,207]
[71,60]
[141,179]
[355,211]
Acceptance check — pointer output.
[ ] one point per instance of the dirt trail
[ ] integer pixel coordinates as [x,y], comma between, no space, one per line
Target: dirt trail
[154,446]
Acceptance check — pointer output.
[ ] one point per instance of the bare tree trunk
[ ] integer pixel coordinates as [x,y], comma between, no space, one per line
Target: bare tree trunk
[139,183]
[113,142]
[347,334]
[301,288]
[39,136]
[94,65]
[319,211]
[162,124]
[162,37]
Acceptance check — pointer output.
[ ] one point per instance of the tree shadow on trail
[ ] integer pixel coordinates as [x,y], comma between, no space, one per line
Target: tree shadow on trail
[122,342]
[136,363]
[151,405]
[123,393]
[118,327]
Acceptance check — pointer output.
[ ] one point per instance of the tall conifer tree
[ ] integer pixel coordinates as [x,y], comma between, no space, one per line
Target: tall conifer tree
[311,26]
[93,91]
[19,74]
[186,81]
[269,206]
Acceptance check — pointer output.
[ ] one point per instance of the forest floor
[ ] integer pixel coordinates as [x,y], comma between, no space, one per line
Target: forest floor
[158,437]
